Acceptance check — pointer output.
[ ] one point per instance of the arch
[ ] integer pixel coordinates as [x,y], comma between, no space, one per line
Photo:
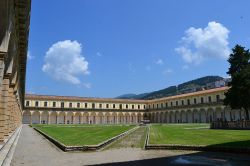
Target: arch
[172,117]
[190,116]
[210,115]
[177,117]
[196,116]
[26,117]
[183,116]
[203,115]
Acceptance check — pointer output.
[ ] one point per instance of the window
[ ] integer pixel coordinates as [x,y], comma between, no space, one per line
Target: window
[195,101]
[78,105]
[139,107]
[133,107]
[188,102]
[54,104]
[144,106]
[176,103]
[86,105]
[161,105]
[113,105]
[93,105]
[148,106]
[217,98]
[100,105]
[166,105]
[126,106]
[70,105]
[36,104]
[45,104]
[107,105]
[62,104]
[157,106]
[209,99]
[202,100]
[182,102]
[120,106]
[171,103]
[153,106]
[27,103]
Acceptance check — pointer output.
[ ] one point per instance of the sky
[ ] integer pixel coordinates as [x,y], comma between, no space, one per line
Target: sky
[106,48]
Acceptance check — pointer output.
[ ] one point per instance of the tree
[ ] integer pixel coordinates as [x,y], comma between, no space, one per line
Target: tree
[238,96]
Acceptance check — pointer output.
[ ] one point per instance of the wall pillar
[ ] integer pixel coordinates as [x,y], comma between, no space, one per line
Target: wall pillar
[31,113]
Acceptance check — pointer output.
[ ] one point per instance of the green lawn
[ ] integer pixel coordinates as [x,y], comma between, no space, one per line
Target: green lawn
[198,134]
[78,135]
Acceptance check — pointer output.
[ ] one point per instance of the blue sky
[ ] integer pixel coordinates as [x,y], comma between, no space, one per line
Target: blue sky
[105,48]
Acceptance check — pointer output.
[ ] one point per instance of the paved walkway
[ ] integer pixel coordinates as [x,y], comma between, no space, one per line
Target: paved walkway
[33,149]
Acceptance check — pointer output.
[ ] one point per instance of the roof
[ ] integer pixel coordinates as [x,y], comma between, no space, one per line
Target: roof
[202,92]
[89,99]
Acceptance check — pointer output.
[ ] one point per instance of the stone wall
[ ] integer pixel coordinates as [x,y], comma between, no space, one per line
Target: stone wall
[15,17]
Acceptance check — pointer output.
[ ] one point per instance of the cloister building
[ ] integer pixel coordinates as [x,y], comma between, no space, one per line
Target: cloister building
[197,107]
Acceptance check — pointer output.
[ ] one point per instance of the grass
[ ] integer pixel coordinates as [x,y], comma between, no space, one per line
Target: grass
[198,134]
[79,135]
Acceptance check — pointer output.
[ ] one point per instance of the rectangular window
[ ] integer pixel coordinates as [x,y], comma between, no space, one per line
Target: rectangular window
[209,99]
[161,105]
[217,98]
[171,103]
[107,105]
[157,106]
[45,104]
[54,104]
[144,106]
[133,107]
[195,101]
[113,105]
[36,104]
[166,105]
[78,105]
[126,106]
[70,105]
[93,105]
[86,105]
[182,102]
[100,105]
[27,103]
[62,104]
[153,106]
[120,106]
[139,107]
[202,100]
[176,103]
[188,102]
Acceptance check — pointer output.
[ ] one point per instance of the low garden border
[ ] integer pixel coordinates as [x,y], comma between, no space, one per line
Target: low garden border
[192,147]
[66,148]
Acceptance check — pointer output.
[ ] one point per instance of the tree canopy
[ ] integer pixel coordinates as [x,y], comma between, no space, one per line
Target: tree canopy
[238,96]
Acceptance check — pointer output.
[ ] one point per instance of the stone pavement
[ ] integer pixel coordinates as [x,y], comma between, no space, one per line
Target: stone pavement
[33,149]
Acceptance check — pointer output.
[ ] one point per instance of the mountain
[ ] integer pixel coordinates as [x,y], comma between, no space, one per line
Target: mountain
[207,82]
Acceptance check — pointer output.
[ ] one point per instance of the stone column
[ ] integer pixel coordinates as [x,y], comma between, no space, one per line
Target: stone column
[57,114]
[31,113]
[40,117]
[49,113]
[73,119]
[65,117]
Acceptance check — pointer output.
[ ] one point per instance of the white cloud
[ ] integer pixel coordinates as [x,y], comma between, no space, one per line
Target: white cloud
[64,62]
[99,54]
[167,71]
[29,56]
[199,44]
[87,85]
[159,62]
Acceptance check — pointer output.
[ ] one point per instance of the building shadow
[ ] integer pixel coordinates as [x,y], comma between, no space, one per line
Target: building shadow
[201,158]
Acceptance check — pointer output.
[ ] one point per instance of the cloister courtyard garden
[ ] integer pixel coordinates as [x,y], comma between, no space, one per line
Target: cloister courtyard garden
[157,134]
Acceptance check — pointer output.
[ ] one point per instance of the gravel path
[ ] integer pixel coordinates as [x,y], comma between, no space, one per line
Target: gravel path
[33,149]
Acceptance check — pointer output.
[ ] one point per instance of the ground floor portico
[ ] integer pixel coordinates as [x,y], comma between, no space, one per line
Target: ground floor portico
[195,115]
[78,117]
